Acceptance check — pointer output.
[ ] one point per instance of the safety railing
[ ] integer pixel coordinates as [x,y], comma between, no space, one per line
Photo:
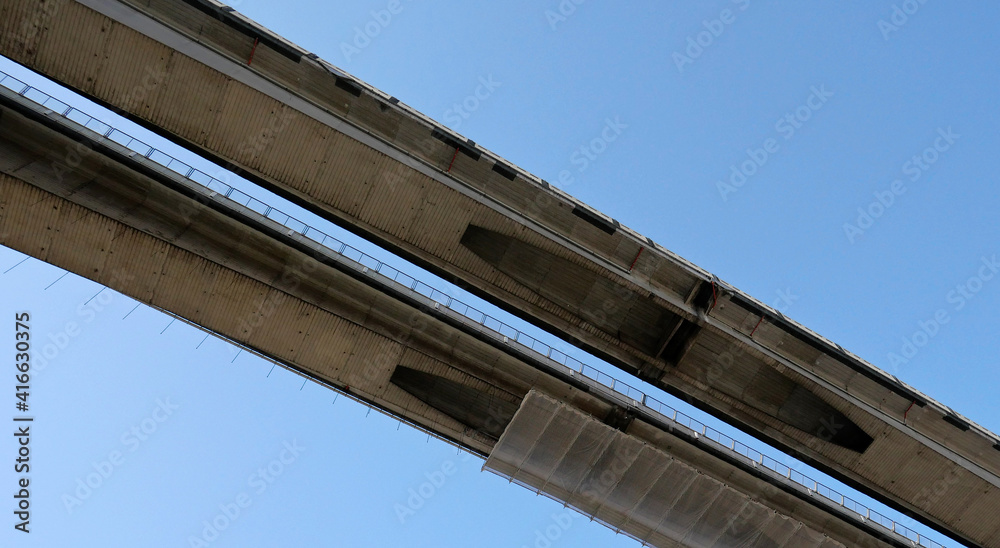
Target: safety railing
[506,332]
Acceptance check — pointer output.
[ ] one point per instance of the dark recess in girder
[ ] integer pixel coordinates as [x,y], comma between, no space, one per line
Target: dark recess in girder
[485,412]
[506,171]
[594,219]
[833,351]
[637,321]
[348,86]
[619,418]
[680,342]
[808,412]
[956,422]
[468,148]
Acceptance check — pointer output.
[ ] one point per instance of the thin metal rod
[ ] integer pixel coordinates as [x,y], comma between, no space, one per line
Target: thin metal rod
[95,296]
[131,311]
[172,320]
[57,279]
[17,265]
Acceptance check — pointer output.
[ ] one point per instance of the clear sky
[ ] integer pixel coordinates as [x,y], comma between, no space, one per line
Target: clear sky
[749,154]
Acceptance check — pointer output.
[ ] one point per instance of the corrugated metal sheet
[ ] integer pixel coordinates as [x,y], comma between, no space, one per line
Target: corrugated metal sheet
[632,486]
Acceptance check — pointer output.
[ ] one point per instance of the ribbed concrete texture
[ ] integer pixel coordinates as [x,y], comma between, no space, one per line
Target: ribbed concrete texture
[321,138]
[108,213]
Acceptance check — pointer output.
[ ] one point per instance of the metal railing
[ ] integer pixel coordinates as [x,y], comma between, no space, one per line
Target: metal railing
[504,332]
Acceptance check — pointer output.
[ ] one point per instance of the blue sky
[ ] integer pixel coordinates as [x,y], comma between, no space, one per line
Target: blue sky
[864,98]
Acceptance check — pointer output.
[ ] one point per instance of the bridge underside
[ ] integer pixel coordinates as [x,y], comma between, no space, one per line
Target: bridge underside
[633,486]
[307,131]
[314,135]
[90,206]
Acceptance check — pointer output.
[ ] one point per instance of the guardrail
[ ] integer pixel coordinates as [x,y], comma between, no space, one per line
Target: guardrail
[507,332]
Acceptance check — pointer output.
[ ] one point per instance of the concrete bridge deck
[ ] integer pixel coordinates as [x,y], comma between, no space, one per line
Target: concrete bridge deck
[95,202]
[313,134]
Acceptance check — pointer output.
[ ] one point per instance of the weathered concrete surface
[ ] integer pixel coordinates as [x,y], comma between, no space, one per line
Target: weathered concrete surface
[352,155]
[85,204]
[661,498]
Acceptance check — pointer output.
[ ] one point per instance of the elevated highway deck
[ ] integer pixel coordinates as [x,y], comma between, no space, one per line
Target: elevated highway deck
[313,134]
[88,198]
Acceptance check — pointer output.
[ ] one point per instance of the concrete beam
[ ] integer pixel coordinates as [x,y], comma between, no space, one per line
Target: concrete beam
[313,134]
[84,202]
